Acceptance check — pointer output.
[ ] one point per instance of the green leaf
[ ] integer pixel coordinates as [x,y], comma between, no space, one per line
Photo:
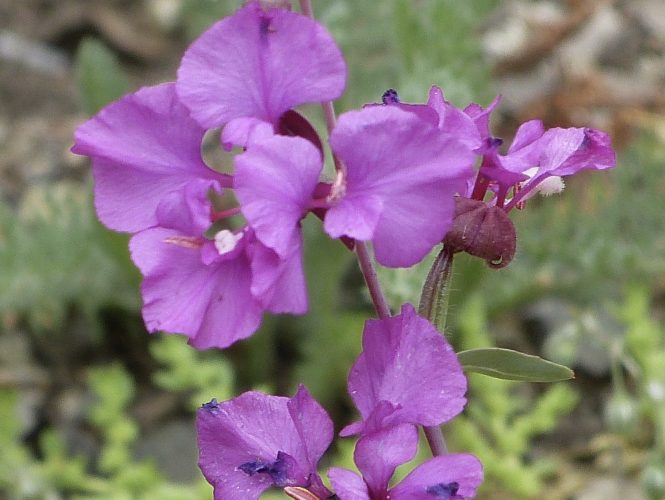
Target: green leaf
[513,365]
[100,78]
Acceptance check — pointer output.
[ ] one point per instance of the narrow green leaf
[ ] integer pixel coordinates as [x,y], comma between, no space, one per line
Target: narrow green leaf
[513,365]
[99,76]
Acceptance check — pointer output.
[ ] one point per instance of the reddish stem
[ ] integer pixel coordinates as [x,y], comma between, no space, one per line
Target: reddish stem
[372,280]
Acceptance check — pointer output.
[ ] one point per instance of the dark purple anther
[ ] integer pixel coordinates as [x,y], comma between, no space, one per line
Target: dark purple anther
[445,491]
[277,470]
[390,96]
[212,405]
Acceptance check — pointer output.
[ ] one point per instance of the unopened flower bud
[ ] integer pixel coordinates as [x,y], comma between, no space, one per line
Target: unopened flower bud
[482,231]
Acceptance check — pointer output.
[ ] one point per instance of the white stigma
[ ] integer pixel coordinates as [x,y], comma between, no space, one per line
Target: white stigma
[225,241]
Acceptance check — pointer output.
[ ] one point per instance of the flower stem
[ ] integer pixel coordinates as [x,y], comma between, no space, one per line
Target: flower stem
[327,106]
[434,297]
[372,280]
[364,258]
[434,306]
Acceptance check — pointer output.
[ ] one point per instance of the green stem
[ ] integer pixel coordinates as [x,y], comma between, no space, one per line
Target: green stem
[434,297]
[434,306]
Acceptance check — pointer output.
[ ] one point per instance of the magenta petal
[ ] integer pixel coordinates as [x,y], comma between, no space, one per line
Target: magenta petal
[259,64]
[242,131]
[380,417]
[143,146]
[187,210]
[255,428]
[465,470]
[526,134]
[279,283]
[481,116]
[592,150]
[312,425]
[423,215]
[347,485]
[274,182]
[392,158]
[452,119]
[377,455]
[356,217]
[408,363]
[211,304]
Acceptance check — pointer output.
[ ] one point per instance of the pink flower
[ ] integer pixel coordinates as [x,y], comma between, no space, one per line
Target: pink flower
[256,65]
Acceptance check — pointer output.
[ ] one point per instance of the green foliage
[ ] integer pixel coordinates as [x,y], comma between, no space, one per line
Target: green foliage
[58,473]
[206,375]
[507,364]
[500,423]
[54,255]
[330,335]
[100,77]
[437,42]
[643,353]
[397,44]
[198,15]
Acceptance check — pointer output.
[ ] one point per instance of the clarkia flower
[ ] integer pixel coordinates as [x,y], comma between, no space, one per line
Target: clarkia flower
[143,147]
[406,373]
[256,441]
[377,455]
[401,173]
[193,285]
[150,179]
[257,64]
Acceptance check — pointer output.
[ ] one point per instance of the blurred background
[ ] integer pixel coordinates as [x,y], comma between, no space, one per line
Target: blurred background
[91,407]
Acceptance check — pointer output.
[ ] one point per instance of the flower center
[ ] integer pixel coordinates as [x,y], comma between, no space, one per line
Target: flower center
[226,241]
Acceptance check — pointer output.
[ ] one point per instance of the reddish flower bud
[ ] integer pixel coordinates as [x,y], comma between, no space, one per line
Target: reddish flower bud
[482,231]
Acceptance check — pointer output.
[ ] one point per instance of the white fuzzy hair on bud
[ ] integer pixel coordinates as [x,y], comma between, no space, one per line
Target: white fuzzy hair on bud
[551,185]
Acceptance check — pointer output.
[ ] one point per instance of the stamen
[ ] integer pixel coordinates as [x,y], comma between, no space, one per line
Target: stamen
[185,241]
[212,406]
[445,491]
[338,189]
[390,96]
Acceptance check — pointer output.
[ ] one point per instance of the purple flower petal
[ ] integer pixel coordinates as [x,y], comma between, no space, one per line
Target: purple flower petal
[312,425]
[526,134]
[211,304]
[408,363]
[348,485]
[402,173]
[242,131]
[255,441]
[456,472]
[187,210]
[259,64]
[274,182]
[279,283]
[453,120]
[143,146]
[561,152]
[377,455]
[481,116]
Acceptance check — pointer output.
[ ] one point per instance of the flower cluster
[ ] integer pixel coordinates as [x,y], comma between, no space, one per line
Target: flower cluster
[406,375]
[210,276]
[218,248]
